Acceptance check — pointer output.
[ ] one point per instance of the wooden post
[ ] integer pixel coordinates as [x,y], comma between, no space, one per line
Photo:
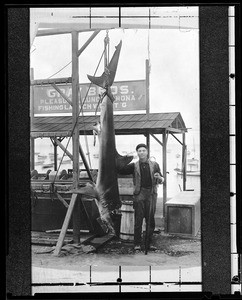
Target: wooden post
[32,146]
[147,84]
[85,162]
[55,156]
[32,141]
[164,171]
[184,161]
[75,109]
[75,137]
[76,217]
[148,143]
[63,148]
[65,225]
[88,42]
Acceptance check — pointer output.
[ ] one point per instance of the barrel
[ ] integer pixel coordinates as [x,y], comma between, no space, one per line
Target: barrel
[127,221]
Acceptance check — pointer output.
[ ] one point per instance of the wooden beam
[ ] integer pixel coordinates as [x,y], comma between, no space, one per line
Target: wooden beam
[55,31]
[85,162]
[61,93]
[41,134]
[64,149]
[32,158]
[50,81]
[46,32]
[156,139]
[87,214]
[55,156]
[184,162]
[176,138]
[175,130]
[31,96]
[55,153]
[148,143]
[147,85]
[76,221]
[65,225]
[75,109]
[88,42]
[32,141]
[62,200]
[164,172]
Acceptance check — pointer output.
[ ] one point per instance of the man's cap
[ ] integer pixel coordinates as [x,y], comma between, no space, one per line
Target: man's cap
[141,145]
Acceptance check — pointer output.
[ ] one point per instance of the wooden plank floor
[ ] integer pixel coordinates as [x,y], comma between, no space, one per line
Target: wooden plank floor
[98,242]
[50,239]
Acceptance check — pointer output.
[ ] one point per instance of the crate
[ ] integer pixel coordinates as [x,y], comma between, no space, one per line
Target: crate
[183,214]
[48,213]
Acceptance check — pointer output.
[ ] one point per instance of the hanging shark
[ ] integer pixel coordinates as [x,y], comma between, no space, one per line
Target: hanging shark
[109,159]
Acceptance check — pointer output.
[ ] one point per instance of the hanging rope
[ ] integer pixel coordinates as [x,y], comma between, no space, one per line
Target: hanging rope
[107,46]
[74,126]
[106,62]
[148,50]
[60,70]
[85,136]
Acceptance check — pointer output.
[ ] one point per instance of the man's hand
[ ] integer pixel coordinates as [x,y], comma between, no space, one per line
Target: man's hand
[159,178]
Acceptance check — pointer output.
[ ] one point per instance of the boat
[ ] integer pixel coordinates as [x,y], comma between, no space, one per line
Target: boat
[42,156]
[38,163]
[188,173]
[52,154]
[49,165]
[192,170]
[66,161]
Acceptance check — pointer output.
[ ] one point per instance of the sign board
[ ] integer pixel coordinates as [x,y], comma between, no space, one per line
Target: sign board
[129,96]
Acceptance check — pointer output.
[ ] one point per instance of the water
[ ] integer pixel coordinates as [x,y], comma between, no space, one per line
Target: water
[125,144]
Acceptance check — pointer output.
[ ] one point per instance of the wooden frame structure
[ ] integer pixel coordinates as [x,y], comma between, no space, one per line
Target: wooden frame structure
[164,124]
[75,131]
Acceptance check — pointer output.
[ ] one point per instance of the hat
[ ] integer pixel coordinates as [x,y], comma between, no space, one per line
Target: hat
[140,145]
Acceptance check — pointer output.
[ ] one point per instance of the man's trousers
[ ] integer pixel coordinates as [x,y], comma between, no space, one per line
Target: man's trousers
[141,205]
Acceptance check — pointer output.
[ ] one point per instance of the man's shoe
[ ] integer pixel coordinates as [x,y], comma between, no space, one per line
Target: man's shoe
[137,248]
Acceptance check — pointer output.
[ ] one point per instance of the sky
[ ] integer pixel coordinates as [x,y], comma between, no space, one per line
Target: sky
[174,60]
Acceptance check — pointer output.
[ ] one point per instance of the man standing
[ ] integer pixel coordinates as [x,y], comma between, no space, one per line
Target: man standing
[146,177]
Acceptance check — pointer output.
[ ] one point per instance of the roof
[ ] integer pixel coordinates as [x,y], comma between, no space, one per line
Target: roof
[154,123]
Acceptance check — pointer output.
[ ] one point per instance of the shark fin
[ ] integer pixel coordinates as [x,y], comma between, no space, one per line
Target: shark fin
[122,161]
[100,81]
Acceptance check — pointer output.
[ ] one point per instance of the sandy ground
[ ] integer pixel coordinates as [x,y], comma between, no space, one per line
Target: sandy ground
[175,259]
[171,252]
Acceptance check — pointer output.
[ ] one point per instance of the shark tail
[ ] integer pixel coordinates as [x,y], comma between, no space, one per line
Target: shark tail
[107,78]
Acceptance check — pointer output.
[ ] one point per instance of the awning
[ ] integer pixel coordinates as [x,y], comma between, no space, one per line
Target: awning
[155,123]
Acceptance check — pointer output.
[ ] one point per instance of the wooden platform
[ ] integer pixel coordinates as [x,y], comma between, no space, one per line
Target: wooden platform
[98,242]
[51,238]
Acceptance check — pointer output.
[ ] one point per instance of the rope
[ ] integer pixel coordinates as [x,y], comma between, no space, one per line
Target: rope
[148,49]
[77,118]
[60,70]
[85,136]
[106,62]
